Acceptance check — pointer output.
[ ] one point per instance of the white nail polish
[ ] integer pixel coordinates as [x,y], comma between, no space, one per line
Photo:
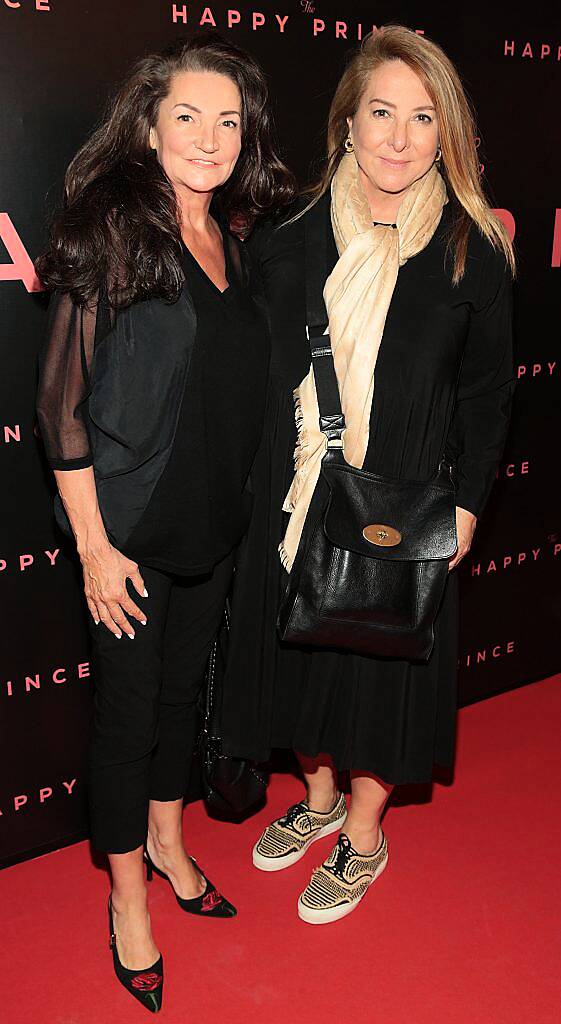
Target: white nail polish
[131,636]
[118,635]
[145,594]
[143,622]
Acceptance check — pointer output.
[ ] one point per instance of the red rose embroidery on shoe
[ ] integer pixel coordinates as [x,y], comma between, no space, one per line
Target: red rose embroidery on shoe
[211,900]
[147,982]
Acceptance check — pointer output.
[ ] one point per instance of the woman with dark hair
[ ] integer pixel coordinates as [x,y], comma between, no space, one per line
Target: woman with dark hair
[151,403]
[398,259]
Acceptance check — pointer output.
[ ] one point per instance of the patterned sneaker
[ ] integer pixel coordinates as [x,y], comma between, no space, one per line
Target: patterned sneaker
[286,840]
[337,887]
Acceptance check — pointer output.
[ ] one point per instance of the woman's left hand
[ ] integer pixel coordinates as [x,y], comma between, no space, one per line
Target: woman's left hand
[465,527]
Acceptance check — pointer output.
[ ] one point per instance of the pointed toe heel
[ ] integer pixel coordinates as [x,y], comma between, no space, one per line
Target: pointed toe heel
[146,986]
[210,903]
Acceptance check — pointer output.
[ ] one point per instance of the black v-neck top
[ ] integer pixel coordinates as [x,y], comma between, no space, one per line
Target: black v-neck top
[201,504]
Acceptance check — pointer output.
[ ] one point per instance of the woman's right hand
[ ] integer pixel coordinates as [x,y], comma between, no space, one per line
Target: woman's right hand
[106,571]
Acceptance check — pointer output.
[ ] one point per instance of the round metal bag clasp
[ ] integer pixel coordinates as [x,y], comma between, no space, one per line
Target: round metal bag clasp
[382,535]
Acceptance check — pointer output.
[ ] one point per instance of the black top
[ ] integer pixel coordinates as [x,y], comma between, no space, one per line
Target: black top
[444,373]
[171,448]
[201,504]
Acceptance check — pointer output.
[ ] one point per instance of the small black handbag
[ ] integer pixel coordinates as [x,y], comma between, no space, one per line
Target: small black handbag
[372,563]
[231,785]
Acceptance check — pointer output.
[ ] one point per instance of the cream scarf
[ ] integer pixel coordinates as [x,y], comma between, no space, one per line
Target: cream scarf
[357,297]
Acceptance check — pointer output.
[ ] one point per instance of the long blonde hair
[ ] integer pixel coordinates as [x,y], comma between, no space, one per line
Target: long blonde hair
[459,164]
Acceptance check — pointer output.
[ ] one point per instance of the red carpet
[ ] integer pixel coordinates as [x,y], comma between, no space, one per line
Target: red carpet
[462,928]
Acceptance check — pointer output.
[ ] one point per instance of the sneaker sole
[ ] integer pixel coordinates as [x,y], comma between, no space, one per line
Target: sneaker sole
[269,864]
[327,916]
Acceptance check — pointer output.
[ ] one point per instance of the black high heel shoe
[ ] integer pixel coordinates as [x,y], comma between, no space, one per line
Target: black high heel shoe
[210,903]
[146,986]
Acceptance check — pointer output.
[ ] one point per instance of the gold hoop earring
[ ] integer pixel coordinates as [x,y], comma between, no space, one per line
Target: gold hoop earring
[349,148]
[438,156]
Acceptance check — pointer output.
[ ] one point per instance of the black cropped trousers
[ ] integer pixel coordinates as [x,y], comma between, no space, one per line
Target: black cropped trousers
[145,717]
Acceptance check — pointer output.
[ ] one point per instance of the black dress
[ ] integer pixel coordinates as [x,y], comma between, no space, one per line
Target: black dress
[444,381]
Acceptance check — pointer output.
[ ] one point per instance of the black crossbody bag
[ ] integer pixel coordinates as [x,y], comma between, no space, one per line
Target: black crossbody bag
[372,562]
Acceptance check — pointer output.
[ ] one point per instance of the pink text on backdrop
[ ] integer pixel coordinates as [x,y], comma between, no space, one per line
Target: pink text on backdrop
[21,268]
[38,5]
[556,250]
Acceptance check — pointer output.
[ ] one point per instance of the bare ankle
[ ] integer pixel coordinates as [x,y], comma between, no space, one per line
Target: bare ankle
[364,838]
[126,902]
[322,799]
[165,842]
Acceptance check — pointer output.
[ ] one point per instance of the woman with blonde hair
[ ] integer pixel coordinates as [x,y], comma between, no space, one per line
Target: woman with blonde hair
[417,273]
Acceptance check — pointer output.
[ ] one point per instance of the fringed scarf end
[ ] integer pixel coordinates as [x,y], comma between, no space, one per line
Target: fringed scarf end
[284,557]
[302,435]
[302,453]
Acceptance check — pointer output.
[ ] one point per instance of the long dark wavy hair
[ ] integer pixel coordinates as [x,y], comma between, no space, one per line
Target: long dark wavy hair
[119,219]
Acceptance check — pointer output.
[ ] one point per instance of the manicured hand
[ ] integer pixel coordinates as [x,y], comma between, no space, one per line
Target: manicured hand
[465,527]
[106,571]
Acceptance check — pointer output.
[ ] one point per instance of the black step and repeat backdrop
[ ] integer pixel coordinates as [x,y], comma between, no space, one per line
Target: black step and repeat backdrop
[59,61]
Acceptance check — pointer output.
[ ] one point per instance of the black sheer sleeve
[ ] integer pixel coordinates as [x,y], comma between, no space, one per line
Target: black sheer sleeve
[64,381]
[486,385]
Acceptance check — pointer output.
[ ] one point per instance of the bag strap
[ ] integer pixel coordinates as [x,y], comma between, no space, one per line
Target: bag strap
[331,419]
[211,702]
